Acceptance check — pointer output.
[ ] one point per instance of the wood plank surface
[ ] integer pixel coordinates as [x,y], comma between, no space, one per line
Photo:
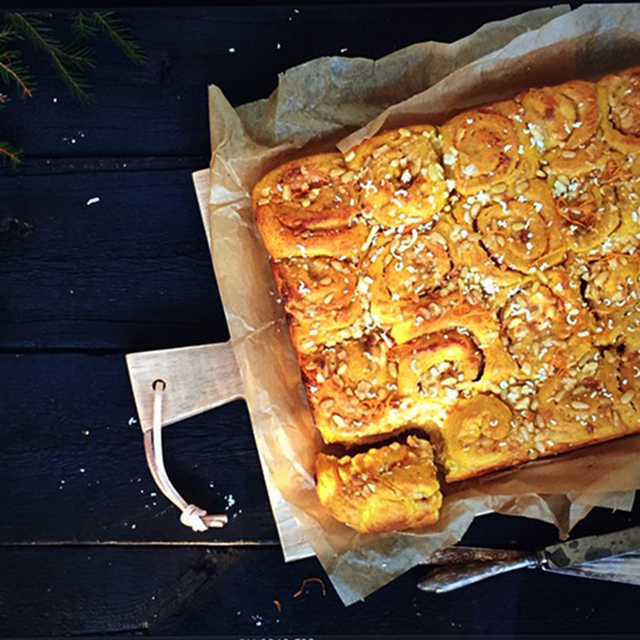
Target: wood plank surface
[195,591]
[161,108]
[129,272]
[73,460]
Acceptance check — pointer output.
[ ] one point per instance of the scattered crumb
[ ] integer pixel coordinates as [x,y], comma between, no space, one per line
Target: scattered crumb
[132,421]
[91,201]
[232,49]
[258,620]
[343,50]
[55,100]
[82,470]
[85,432]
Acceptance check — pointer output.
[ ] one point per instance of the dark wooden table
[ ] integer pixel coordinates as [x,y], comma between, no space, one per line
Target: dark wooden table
[87,546]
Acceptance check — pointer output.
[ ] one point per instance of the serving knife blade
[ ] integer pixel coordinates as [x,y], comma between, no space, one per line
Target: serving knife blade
[572,552]
[590,557]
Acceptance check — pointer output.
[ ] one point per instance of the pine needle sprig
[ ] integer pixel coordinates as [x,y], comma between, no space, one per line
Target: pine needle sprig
[83,25]
[71,61]
[86,25]
[14,71]
[9,153]
[8,34]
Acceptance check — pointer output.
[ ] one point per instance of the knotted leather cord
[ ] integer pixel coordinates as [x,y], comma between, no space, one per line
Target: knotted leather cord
[192,516]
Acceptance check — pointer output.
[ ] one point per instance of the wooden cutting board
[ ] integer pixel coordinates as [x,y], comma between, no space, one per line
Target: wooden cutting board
[199,379]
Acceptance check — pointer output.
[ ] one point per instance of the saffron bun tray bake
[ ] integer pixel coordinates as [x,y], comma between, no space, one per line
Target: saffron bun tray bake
[463,298]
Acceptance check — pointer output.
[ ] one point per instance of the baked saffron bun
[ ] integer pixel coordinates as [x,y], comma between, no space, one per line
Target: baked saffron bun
[401,176]
[478,282]
[310,208]
[390,488]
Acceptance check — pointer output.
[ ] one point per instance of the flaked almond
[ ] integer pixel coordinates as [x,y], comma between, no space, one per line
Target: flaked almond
[433,172]
[376,153]
[501,187]
[627,397]
[338,420]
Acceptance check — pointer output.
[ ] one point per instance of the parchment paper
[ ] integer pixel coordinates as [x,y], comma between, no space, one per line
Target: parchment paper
[316,106]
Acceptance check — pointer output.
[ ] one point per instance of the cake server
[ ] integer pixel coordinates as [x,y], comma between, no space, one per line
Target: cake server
[612,556]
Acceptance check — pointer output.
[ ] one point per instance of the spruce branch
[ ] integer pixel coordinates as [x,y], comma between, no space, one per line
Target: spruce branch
[8,34]
[70,61]
[12,70]
[9,153]
[83,25]
[73,61]
[119,33]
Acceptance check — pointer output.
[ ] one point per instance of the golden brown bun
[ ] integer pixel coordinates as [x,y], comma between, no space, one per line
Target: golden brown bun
[308,208]
[401,176]
[492,295]
[320,298]
[353,389]
[619,101]
[487,149]
[391,488]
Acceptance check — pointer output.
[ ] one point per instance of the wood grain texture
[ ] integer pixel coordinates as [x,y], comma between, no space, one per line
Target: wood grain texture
[196,379]
[130,272]
[73,462]
[80,591]
[161,108]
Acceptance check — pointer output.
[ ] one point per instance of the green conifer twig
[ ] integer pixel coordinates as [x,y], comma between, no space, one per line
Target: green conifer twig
[72,61]
[83,25]
[12,70]
[9,153]
[69,61]
[121,36]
